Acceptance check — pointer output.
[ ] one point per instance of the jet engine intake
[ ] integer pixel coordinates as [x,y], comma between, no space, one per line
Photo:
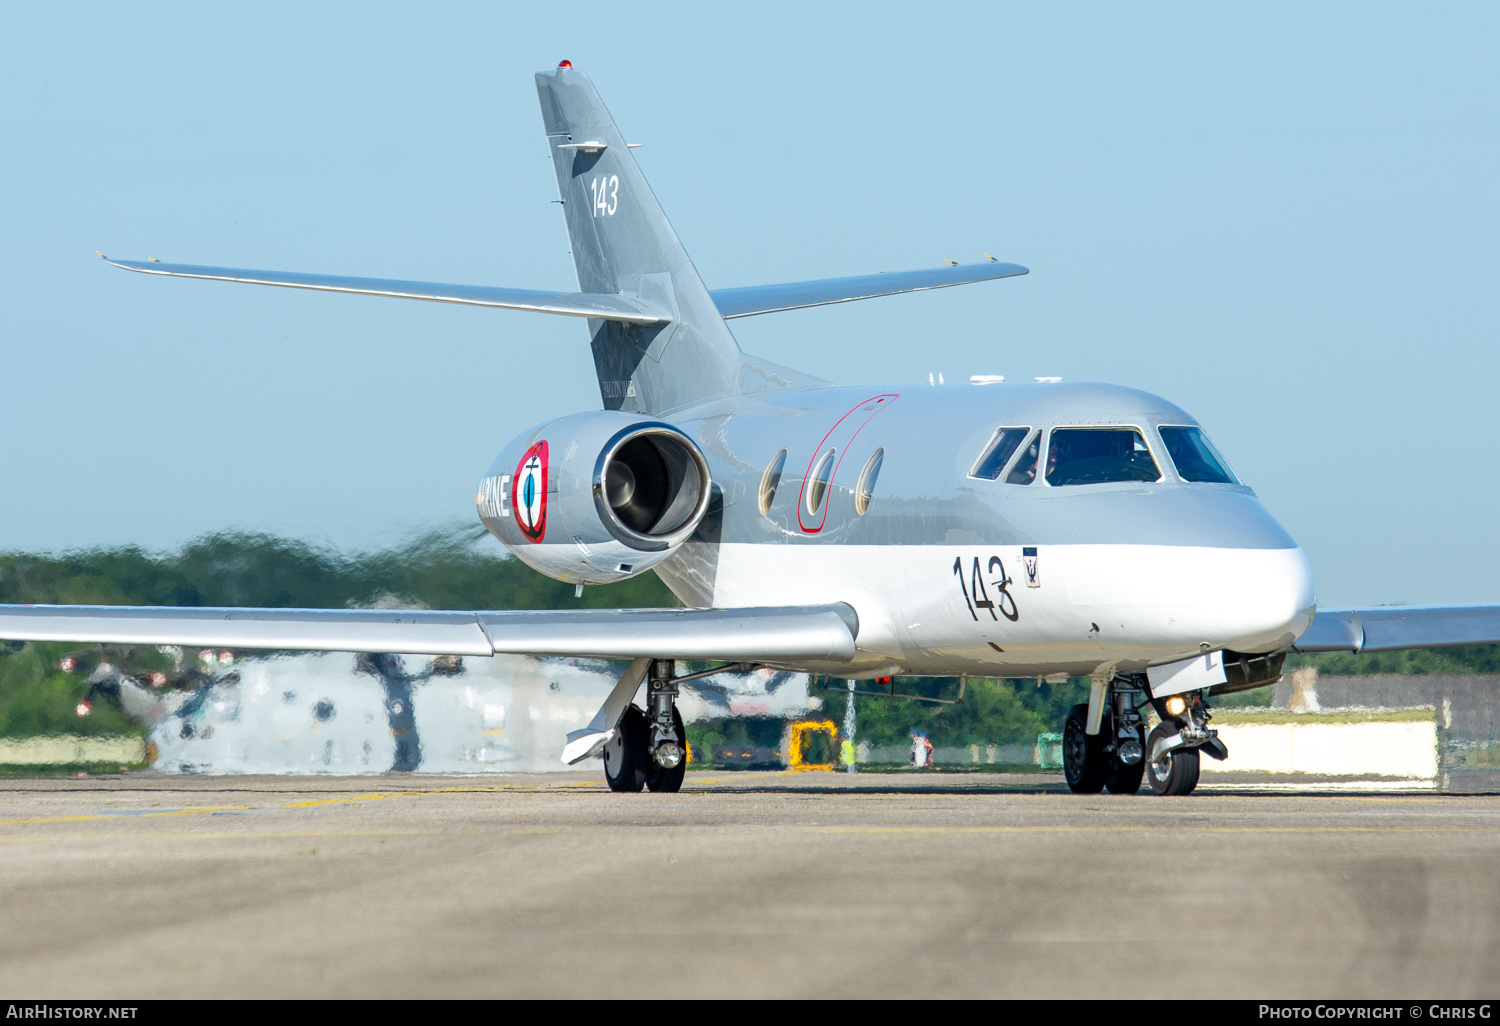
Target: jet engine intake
[651,487]
[596,497]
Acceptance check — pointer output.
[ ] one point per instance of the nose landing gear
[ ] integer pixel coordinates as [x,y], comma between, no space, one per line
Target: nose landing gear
[1174,771]
[1172,750]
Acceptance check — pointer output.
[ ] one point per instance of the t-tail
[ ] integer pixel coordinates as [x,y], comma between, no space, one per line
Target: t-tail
[623,244]
[659,336]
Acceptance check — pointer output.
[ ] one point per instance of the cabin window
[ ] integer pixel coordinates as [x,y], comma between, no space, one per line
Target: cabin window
[867,478]
[1001,448]
[1195,456]
[1078,456]
[817,482]
[770,480]
[1024,472]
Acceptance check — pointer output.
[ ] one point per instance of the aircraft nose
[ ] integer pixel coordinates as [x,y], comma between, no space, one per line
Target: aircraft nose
[1251,584]
[1263,591]
[1277,602]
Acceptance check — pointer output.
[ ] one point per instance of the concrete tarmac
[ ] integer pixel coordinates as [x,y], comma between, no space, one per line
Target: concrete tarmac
[743,885]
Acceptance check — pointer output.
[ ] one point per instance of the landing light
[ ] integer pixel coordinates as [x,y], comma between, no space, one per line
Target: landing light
[1176,705]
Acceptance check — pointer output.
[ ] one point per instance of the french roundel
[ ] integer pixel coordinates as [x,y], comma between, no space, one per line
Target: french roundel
[529,492]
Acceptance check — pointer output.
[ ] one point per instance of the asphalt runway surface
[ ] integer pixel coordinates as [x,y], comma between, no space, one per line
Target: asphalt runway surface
[743,885]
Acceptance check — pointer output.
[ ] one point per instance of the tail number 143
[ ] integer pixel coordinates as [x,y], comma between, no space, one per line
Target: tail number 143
[606,192]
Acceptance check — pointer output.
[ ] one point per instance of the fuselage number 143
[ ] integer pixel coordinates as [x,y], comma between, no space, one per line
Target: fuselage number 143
[977,596]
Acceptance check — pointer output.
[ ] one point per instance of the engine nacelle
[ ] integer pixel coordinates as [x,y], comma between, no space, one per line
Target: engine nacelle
[595,497]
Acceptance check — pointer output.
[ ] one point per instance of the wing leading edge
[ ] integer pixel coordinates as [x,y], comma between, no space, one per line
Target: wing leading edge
[765,634]
[795,295]
[1388,628]
[624,307]
[621,307]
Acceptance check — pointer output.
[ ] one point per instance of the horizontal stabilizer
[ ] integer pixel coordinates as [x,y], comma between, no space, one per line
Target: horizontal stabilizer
[570,304]
[759,299]
[1388,628]
[775,634]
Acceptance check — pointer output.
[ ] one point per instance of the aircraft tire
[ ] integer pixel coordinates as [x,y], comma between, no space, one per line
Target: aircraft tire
[1177,774]
[668,780]
[1124,779]
[625,755]
[1084,760]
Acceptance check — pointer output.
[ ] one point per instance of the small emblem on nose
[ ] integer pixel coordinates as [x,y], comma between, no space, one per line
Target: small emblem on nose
[1028,557]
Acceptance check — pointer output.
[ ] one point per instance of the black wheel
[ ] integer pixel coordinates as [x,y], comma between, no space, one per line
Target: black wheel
[659,779]
[1121,777]
[625,754]
[1084,761]
[1177,771]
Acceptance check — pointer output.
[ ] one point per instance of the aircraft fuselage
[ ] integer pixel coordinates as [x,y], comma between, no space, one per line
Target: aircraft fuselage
[955,573]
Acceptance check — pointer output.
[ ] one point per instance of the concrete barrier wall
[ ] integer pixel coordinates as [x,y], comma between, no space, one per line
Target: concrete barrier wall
[1390,749]
[68,748]
[943,755]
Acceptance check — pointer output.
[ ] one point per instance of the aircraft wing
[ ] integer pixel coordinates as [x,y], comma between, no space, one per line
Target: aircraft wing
[740,302]
[750,635]
[1386,628]
[570,304]
[759,299]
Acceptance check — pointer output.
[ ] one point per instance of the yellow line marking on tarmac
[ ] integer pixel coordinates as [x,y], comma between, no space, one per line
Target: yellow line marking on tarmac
[252,836]
[981,830]
[743,776]
[126,815]
[209,837]
[305,804]
[314,802]
[1354,830]
[1142,829]
[1395,796]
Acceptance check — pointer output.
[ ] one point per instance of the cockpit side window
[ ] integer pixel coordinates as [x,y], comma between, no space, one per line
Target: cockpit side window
[1024,472]
[1078,456]
[1001,448]
[1195,456]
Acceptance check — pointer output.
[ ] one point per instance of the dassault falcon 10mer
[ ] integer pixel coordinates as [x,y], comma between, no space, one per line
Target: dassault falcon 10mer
[1010,529]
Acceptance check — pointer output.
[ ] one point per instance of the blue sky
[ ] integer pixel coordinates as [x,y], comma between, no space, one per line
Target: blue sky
[1282,217]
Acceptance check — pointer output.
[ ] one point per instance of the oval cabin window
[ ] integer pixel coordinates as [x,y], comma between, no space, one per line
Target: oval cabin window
[770,480]
[817,482]
[867,478]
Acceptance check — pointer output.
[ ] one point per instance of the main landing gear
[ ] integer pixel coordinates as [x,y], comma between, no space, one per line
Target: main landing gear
[1118,754]
[649,747]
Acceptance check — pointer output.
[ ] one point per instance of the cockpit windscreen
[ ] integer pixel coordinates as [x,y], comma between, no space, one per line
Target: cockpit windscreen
[1000,450]
[1078,456]
[1195,456]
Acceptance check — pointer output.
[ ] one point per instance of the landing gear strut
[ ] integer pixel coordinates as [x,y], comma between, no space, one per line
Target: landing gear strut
[649,748]
[666,761]
[1114,758]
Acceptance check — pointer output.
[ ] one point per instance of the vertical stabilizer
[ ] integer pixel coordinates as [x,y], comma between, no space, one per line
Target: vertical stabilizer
[622,243]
